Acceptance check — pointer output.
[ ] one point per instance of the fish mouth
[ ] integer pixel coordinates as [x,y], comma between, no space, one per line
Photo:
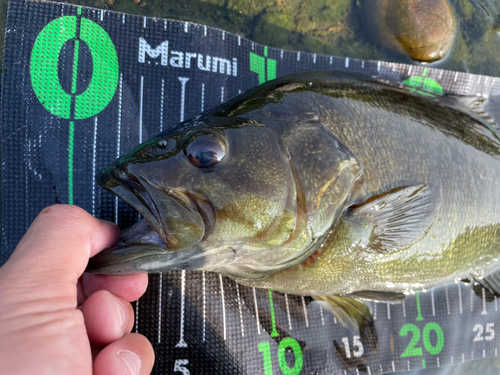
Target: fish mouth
[141,196]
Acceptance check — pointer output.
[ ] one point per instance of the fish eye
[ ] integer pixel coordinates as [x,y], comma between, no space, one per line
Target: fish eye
[162,144]
[205,151]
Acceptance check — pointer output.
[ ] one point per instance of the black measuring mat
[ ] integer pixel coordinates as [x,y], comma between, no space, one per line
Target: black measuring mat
[83,86]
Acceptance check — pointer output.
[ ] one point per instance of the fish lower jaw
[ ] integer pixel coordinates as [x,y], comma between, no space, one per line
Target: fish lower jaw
[140,233]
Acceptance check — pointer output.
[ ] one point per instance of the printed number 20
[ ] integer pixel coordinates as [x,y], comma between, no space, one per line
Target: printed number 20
[412,350]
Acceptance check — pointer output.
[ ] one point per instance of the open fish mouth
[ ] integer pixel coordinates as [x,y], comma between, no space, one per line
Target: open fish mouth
[157,205]
[154,243]
[128,188]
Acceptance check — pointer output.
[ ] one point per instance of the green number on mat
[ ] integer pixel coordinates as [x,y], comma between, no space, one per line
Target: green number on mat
[290,342]
[411,350]
[287,342]
[45,74]
[265,349]
[427,340]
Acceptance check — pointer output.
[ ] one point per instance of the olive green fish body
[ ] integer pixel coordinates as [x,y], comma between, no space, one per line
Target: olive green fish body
[316,184]
[401,140]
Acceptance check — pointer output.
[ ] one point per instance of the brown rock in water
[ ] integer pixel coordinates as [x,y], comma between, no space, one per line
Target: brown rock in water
[424,29]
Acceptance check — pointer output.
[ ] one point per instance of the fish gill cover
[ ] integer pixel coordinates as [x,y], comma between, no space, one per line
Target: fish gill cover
[83,86]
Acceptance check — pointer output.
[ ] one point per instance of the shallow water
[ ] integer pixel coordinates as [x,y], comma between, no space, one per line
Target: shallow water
[325,27]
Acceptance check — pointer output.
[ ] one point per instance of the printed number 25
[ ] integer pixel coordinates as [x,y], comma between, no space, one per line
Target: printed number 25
[490,330]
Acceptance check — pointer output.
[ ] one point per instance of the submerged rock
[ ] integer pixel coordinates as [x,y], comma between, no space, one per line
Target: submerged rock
[424,29]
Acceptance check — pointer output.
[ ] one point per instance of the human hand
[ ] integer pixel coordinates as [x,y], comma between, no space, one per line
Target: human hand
[55,321]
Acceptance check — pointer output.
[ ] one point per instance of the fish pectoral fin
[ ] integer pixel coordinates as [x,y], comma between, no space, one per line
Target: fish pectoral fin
[491,282]
[386,297]
[395,220]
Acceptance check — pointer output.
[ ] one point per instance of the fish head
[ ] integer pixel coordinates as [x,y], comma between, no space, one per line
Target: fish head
[217,194]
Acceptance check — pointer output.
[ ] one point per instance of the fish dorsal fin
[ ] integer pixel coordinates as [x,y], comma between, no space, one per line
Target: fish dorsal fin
[372,295]
[485,109]
[491,108]
[395,220]
[324,170]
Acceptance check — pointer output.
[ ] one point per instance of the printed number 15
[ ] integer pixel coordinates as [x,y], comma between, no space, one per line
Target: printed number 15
[356,343]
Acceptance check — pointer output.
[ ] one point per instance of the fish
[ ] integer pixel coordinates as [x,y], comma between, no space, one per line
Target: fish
[328,184]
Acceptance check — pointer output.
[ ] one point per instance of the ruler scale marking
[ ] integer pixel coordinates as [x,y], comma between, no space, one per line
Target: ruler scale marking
[288,312]
[183,81]
[432,302]
[447,300]
[162,99]
[160,295]
[141,103]
[256,310]
[94,151]
[472,299]
[459,297]
[239,308]
[182,343]
[484,312]
[137,316]
[223,306]
[204,304]
[118,135]
[305,311]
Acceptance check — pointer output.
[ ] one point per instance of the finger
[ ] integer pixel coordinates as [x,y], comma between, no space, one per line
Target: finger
[107,317]
[129,287]
[131,355]
[62,238]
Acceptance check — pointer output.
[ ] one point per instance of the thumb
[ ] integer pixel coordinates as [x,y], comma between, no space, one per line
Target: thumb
[54,252]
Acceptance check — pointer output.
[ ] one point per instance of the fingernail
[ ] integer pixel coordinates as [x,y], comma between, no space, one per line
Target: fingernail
[122,314]
[131,360]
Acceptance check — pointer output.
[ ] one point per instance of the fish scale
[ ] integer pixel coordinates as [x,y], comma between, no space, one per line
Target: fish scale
[26,125]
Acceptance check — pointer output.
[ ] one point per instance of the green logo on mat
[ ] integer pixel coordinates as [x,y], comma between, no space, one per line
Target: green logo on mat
[45,60]
[423,85]
[263,66]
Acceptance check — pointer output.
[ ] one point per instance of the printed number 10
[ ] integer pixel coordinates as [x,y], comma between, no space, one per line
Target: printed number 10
[287,342]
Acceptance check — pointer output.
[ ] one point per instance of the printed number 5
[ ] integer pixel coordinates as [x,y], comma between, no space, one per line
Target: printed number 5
[178,367]
[490,330]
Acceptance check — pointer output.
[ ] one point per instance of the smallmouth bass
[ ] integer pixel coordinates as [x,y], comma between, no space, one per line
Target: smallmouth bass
[317,184]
